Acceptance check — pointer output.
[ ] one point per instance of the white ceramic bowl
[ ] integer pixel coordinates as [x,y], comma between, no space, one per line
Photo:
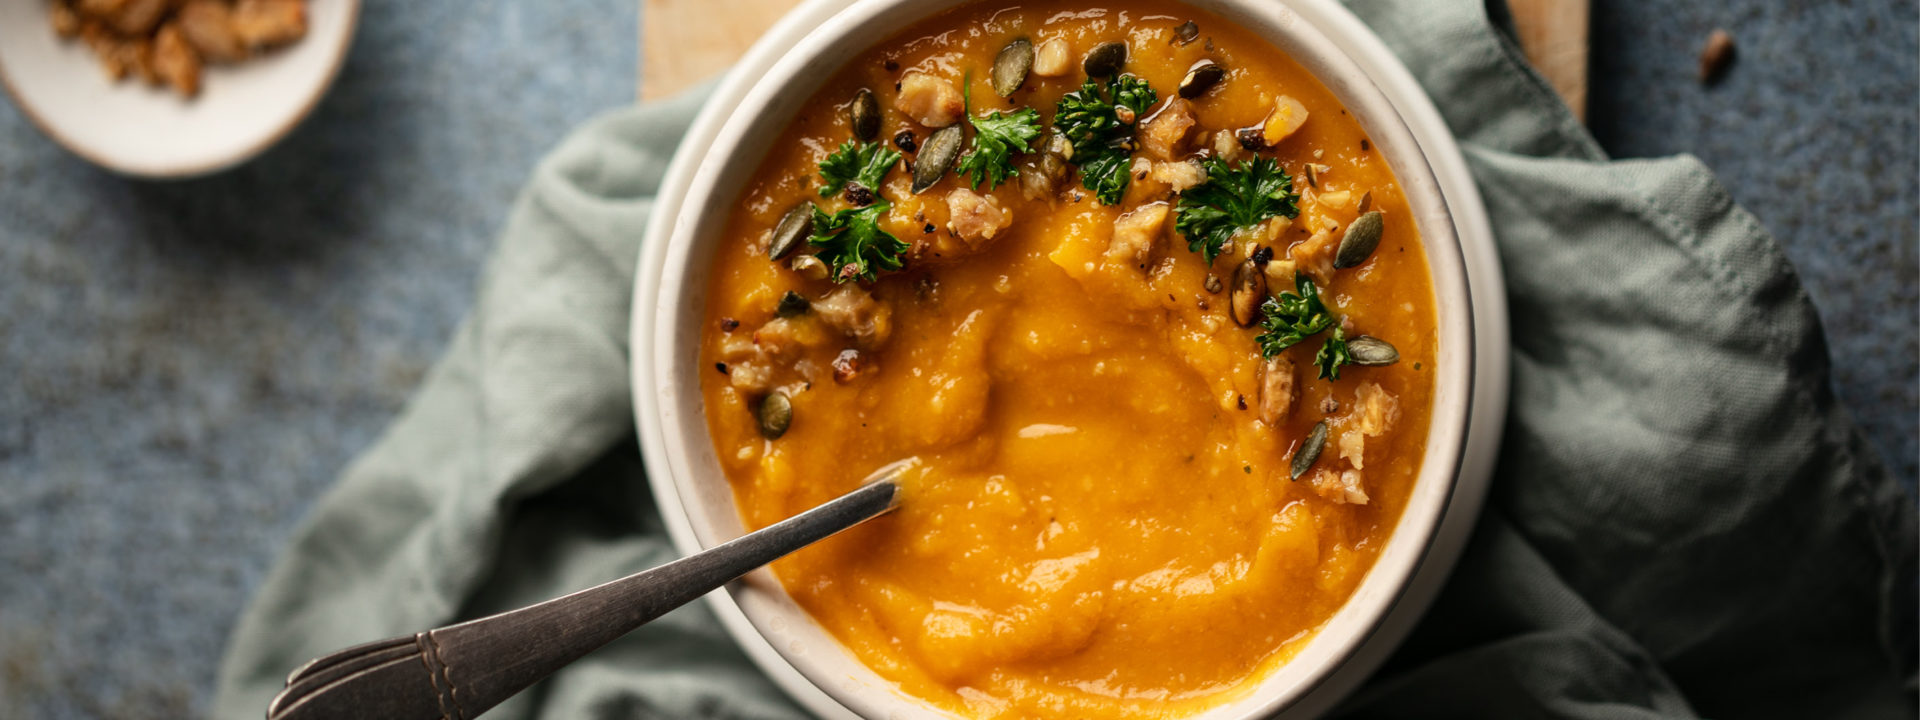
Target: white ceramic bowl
[762,95]
[133,129]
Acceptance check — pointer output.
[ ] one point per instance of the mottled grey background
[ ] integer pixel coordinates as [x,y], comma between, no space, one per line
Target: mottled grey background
[188,365]
[184,367]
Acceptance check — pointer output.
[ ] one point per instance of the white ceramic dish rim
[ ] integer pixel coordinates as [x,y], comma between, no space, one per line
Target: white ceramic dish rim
[1278,689]
[232,149]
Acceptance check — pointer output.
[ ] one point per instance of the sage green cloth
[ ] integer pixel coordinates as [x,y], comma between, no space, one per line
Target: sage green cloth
[1683,522]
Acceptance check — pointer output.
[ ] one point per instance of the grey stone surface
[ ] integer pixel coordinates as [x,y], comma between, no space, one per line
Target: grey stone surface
[1813,129]
[188,365]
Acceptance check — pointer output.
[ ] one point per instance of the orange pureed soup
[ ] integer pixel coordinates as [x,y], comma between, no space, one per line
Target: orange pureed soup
[1157,327]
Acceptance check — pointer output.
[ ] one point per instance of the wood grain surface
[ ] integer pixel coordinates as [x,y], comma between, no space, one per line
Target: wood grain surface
[685,41]
[1554,35]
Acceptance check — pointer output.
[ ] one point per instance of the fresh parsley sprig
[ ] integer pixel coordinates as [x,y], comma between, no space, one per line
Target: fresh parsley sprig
[1232,198]
[997,137]
[1333,353]
[853,245]
[1099,121]
[856,162]
[1293,317]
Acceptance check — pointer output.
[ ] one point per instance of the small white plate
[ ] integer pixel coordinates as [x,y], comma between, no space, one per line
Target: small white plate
[134,129]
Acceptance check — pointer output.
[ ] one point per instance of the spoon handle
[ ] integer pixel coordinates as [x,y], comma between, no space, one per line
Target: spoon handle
[460,671]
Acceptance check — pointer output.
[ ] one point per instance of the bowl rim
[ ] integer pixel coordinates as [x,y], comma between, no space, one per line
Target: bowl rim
[214,162]
[653,323]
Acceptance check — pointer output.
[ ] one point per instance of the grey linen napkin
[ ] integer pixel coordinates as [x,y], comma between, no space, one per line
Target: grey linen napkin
[1682,521]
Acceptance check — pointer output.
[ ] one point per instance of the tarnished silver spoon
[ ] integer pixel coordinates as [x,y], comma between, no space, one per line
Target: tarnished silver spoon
[460,671]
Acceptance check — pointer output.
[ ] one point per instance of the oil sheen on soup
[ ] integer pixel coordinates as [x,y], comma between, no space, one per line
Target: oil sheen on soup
[1146,308]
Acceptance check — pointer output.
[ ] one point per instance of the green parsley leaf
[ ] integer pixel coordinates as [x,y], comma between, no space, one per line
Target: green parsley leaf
[1086,118]
[1089,118]
[1292,317]
[864,163]
[1333,354]
[1107,175]
[996,138]
[853,245]
[1133,93]
[1230,199]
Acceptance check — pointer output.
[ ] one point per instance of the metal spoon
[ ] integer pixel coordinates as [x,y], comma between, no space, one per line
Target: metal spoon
[460,671]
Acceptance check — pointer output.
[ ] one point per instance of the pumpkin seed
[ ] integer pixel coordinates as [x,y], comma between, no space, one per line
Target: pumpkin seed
[1309,451]
[1249,290]
[1361,238]
[1716,56]
[1059,146]
[1369,350]
[1200,78]
[1105,59]
[808,267]
[792,304]
[792,231]
[1011,66]
[864,116]
[1053,166]
[1186,33]
[937,155]
[776,415]
[1251,138]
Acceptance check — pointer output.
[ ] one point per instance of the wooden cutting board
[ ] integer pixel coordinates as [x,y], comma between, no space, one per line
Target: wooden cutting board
[685,41]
